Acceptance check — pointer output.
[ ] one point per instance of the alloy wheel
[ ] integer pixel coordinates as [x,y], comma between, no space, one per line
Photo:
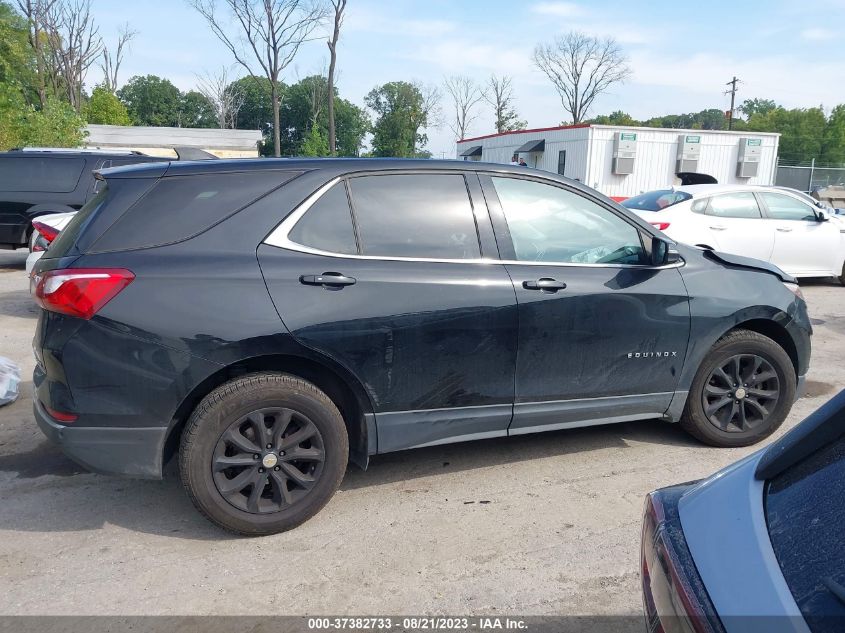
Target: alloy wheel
[741,393]
[268,460]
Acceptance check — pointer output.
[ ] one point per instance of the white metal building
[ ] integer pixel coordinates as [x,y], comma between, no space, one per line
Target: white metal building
[625,161]
[160,141]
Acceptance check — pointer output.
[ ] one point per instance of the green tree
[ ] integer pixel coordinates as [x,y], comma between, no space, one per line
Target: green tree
[315,144]
[105,108]
[352,125]
[57,125]
[256,112]
[616,118]
[750,107]
[195,110]
[401,113]
[833,144]
[151,100]
[802,131]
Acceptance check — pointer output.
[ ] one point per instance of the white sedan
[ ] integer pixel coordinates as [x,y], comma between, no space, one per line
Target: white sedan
[45,228]
[768,223]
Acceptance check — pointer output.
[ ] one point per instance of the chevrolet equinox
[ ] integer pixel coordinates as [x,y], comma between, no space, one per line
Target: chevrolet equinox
[271,320]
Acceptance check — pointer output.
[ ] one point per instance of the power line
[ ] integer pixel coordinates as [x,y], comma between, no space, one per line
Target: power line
[732,83]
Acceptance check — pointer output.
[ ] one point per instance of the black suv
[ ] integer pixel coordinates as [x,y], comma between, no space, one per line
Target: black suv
[297,314]
[36,182]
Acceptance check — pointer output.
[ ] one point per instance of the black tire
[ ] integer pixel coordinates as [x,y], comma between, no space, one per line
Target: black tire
[842,276]
[746,422]
[236,409]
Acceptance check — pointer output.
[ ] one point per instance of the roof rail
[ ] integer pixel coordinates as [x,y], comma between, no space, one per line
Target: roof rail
[77,150]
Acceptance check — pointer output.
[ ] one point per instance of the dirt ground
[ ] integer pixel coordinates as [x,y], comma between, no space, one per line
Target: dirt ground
[540,524]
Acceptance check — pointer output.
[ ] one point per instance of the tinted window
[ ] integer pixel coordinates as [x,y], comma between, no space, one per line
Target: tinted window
[782,207]
[734,205]
[656,200]
[805,513]
[179,207]
[426,216]
[40,173]
[327,225]
[550,224]
[68,235]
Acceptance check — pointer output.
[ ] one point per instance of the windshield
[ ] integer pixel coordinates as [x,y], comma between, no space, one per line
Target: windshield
[655,200]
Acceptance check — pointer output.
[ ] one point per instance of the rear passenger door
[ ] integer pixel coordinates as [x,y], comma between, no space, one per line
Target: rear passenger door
[395,277]
[736,225]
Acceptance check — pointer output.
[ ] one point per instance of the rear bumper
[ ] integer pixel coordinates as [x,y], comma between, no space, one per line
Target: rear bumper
[131,452]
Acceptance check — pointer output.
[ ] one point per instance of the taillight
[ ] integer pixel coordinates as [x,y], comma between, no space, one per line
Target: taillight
[48,232]
[61,416]
[660,225]
[674,599]
[79,292]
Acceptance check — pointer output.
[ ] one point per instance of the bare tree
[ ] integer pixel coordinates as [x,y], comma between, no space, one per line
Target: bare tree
[75,44]
[111,61]
[226,100]
[36,12]
[499,94]
[268,34]
[581,67]
[318,91]
[465,96]
[430,114]
[339,6]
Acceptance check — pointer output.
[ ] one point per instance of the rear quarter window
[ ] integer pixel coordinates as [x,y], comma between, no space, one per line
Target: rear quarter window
[805,513]
[180,207]
[48,174]
[655,200]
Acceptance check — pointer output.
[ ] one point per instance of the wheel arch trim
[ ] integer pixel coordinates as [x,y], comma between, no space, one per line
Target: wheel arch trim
[340,386]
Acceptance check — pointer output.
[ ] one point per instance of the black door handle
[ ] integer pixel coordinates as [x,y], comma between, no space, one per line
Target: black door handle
[545,284]
[334,281]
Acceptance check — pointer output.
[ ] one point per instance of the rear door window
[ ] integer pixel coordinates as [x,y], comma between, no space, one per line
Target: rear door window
[734,205]
[414,215]
[49,174]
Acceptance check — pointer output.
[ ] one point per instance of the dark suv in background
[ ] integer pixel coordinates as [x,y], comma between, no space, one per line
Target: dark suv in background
[39,181]
[297,314]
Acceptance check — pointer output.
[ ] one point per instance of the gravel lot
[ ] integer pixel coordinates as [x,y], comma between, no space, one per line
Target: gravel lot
[543,524]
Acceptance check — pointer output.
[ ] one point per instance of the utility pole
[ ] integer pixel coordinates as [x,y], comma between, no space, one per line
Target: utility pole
[732,83]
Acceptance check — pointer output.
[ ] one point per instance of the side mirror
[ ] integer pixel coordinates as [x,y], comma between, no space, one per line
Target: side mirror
[662,254]
[821,215]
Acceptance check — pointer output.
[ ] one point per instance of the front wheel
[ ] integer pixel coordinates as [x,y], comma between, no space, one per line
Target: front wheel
[263,453]
[742,392]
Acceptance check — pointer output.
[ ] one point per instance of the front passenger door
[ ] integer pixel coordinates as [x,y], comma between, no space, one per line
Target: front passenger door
[803,245]
[602,335]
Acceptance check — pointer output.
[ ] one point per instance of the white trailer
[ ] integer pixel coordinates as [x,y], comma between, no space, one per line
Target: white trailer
[624,161]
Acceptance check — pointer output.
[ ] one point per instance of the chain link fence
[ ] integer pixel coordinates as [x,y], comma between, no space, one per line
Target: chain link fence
[810,177]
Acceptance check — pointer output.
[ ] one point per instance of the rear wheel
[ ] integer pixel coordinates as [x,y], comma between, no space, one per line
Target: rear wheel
[842,276]
[742,392]
[263,453]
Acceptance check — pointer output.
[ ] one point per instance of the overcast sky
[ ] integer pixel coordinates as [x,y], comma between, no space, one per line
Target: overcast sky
[682,54]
